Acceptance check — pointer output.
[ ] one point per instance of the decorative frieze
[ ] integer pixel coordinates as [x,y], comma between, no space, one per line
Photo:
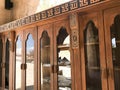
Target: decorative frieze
[83,2]
[37,16]
[72,5]
[50,12]
[28,20]
[57,10]
[32,18]
[94,1]
[65,7]
[43,14]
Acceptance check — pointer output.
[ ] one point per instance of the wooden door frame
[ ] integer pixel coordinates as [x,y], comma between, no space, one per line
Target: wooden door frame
[49,29]
[98,20]
[109,15]
[19,33]
[23,35]
[57,26]
[33,32]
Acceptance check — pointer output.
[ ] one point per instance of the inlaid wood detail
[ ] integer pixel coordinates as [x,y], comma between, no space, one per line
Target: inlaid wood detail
[75,40]
[66,7]
[50,12]
[73,5]
[83,2]
[57,10]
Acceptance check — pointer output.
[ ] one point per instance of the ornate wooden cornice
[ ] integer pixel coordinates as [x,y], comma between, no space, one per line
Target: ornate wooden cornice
[60,9]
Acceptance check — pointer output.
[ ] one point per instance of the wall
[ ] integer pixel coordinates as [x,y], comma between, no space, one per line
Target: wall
[5,15]
[22,8]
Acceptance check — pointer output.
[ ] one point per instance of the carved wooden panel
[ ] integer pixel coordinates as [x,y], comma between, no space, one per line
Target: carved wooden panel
[73,5]
[57,10]
[43,14]
[65,7]
[83,2]
[75,39]
[73,20]
[50,12]
[69,6]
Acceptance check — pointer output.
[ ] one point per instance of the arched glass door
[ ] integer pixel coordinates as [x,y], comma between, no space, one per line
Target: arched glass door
[45,62]
[115,40]
[112,33]
[63,60]
[92,58]
[29,63]
[18,62]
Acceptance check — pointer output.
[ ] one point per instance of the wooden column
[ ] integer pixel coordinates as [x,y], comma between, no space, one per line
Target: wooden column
[3,61]
[11,37]
[75,52]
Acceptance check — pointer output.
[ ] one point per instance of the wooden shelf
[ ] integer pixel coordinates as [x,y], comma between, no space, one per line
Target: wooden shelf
[64,47]
[46,65]
[93,43]
[118,41]
[47,46]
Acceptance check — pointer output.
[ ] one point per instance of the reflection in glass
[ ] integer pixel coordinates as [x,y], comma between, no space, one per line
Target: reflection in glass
[18,64]
[45,61]
[64,63]
[92,59]
[115,40]
[7,65]
[1,48]
[30,63]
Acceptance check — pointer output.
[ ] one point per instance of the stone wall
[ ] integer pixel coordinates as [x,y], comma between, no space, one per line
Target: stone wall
[5,15]
[24,8]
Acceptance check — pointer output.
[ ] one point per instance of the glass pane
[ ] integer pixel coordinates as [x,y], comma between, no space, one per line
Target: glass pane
[92,58]
[1,48]
[115,40]
[63,61]
[30,63]
[18,64]
[45,61]
[7,66]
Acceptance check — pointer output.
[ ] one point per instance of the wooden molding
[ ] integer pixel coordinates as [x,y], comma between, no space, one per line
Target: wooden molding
[58,10]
